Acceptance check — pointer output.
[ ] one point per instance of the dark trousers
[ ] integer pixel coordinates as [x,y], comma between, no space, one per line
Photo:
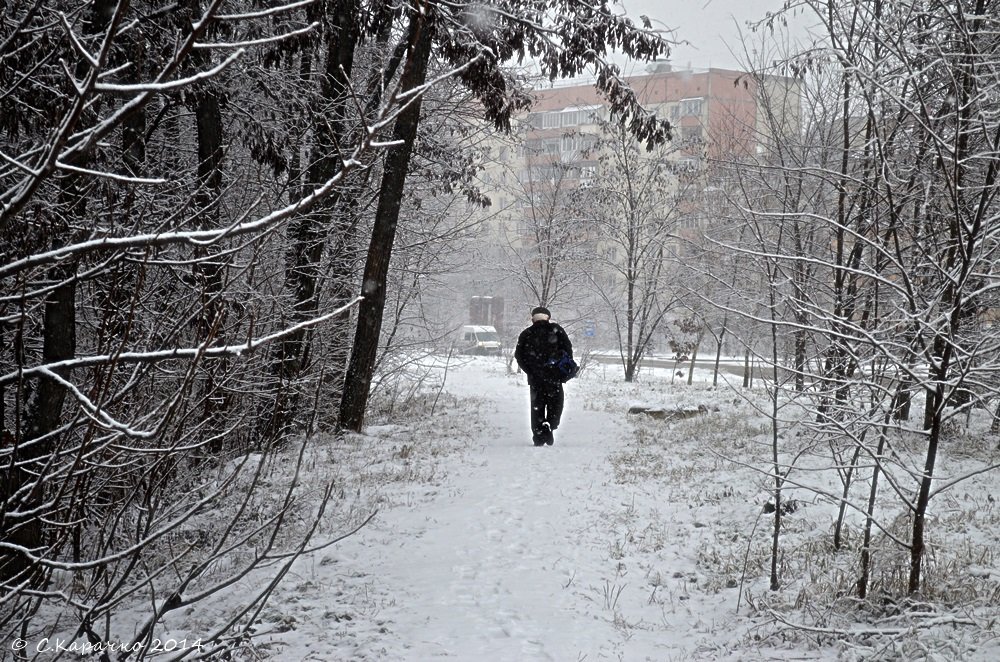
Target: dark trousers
[546,405]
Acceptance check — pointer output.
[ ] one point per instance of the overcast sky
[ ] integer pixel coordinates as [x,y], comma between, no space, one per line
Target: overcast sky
[712,26]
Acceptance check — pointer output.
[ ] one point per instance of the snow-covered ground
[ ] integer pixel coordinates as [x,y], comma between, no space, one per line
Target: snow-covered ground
[629,539]
[514,552]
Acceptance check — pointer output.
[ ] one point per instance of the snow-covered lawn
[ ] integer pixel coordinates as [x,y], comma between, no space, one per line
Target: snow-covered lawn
[629,539]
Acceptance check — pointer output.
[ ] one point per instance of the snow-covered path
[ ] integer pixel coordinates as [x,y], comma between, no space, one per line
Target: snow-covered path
[519,553]
[495,566]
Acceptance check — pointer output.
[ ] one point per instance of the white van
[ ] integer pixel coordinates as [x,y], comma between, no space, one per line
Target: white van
[474,339]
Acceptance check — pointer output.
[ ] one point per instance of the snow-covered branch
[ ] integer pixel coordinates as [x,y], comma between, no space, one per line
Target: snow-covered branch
[179,353]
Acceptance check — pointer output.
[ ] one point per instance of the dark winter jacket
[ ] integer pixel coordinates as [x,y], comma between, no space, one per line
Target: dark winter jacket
[536,345]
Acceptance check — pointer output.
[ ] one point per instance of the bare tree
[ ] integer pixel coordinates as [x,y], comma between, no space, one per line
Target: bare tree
[636,206]
[882,204]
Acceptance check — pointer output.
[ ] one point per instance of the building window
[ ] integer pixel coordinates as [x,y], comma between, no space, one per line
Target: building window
[550,120]
[691,134]
[689,164]
[691,107]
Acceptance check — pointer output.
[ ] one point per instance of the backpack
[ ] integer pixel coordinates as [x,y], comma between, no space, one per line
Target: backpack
[563,367]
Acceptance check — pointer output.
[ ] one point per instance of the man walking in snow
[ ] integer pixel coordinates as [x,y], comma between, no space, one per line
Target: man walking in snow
[539,348]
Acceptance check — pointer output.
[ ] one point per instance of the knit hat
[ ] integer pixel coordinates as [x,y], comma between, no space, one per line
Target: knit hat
[540,313]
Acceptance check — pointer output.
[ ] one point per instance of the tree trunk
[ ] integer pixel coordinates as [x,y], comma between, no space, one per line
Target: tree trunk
[208,122]
[630,331]
[718,353]
[134,124]
[23,482]
[902,410]
[864,578]
[866,554]
[694,357]
[354,400]
[838,529]
[208,271]
[309,232]
[747,370]
[934,398]
[22,485]
[775,457]
[929,406]
[801,340]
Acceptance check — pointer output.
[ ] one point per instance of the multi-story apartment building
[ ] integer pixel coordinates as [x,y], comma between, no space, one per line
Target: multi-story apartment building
[716,115]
